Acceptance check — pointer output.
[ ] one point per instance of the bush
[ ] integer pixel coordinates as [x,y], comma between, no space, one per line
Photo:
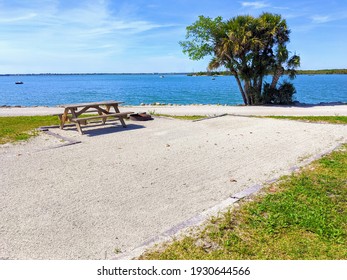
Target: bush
[282,95]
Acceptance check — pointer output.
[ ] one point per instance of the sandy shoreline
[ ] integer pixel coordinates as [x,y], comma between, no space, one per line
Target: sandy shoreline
[309,110]
[120,187]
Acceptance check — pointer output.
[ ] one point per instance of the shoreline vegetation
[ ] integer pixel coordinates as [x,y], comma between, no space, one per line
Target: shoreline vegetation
[200,73]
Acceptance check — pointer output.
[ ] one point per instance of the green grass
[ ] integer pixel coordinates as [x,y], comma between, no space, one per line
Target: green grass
[322,119]
[303,216]
[22,128]
[188,118]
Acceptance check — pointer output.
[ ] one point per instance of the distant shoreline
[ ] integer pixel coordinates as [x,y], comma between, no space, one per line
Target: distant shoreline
[221,73]
[92,74]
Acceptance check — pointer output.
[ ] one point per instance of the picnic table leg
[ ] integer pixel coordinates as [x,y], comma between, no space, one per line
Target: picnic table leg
[78,126]
[120,118]
[61,123]
[100,113]
[63,118]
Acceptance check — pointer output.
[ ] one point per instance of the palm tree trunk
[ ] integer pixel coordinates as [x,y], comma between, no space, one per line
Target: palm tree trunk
[240,88]
[277,75]
[247,93]
[259,86]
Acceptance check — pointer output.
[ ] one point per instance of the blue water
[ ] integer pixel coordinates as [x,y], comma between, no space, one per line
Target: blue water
[51,90]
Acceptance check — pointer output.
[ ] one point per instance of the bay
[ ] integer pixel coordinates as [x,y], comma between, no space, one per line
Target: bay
[52,90]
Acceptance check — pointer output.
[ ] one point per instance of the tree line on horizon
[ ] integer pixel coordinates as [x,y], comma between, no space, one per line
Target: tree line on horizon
[298,72]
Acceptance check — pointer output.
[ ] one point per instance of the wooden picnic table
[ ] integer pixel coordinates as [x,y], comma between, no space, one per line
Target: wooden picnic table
[73,112]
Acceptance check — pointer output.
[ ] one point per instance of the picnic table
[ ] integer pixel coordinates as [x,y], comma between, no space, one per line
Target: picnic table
[73,112]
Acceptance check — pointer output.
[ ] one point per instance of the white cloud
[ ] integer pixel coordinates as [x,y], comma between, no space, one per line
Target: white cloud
[255,5]
[321,19]
[18,18]
[56,29]
[80,37]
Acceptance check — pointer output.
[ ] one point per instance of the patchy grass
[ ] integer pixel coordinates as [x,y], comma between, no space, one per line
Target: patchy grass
[188,118]
[321,119]
[303,216]
[22,128]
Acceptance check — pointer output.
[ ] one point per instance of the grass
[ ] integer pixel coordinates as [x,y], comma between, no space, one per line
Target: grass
[22,128]
[303,216]
[188,118]
[322,119]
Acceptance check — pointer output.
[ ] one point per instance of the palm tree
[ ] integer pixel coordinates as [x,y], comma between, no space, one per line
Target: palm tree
[249,47]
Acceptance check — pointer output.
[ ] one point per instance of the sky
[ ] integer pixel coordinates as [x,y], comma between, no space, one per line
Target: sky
[138,36]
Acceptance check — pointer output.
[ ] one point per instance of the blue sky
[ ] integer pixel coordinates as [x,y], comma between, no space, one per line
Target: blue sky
[83,36]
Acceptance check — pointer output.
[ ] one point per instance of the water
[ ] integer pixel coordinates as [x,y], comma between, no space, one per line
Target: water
[51,90]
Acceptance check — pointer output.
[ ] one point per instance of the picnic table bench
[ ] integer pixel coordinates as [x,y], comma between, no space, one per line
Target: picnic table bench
[73,112]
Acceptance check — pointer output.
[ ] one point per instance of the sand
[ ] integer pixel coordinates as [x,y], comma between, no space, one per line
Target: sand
[120,187]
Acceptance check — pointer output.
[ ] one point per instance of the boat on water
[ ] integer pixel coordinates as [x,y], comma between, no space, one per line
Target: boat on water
[162,76]
[19,83]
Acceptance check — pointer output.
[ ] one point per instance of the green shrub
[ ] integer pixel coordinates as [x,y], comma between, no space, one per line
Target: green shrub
[282,95]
